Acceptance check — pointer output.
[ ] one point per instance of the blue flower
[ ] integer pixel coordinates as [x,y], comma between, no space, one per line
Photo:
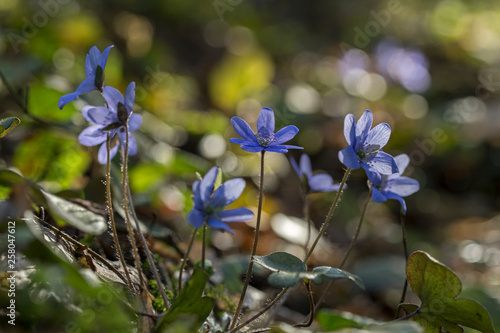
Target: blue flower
[94,70]
[317,182]
[365,145]
[393,186]
[209,204]
[112,121]
[265,139]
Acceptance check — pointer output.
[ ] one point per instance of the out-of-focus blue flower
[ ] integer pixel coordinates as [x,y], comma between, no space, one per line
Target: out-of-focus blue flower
[393,186]
[265,139]
[94,70]
[209,204]
[112,121]
[317,182]
[365,145]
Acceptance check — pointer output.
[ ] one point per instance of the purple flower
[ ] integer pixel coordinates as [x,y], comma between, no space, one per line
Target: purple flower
[317,182]
[265,139]
[393,186]
[94,70]
[112,121]
[365,145]
[209,204]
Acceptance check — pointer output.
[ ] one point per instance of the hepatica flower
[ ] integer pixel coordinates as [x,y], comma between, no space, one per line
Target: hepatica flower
[112,121]
[209,202]
[265,139]
[94,70]
[393,186]
[317,182]
[365,145]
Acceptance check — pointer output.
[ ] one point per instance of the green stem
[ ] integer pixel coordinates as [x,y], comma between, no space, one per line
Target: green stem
[111,215]
[255,242]
[405,249]
[128,222]
[329,216]
[311,302]
[186,256]
[261,312]
[351,246]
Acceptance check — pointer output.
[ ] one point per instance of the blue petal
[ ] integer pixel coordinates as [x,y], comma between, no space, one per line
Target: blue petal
[378,196]
[350,129]
[102,157]
[252,148]
[402,186]
[265,121]
[239,141]
[85,87]
[276,149]
[92,136]
[66,99]
[382,163]
[379,135]
[132,144]
[305,165]
[363,126]
[85,111]
[289,147]
[92,60]
[104,57]
[285,134]
[196,194]
[243,129]
[130,97]
[207,184]
[227,193]
[349,158]
[375,178]
[241,214]
[195,218]
[134,122]
[112,97]
[102,116]
[295,167]
[397,197]
[402,162]
[216,224]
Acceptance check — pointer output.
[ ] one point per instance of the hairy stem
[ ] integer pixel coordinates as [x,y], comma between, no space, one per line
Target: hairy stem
[146,249]
[329,216]
[261,312]
[309,222]
[255,242]
[186,256]
[405,249]
[109,204]
[128,222]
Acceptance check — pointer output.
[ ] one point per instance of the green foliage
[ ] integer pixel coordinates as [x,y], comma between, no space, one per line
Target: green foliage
[7,124]
[43,104]
[190,310]
[438,289]
[288,270]
[391,327]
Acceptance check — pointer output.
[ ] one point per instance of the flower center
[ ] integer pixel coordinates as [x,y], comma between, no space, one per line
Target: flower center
[265,138]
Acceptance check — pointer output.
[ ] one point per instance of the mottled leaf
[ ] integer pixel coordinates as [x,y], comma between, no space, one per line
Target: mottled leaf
[7,124]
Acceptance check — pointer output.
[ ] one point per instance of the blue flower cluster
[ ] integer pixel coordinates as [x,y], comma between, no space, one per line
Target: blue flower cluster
[114,119]
[383,170]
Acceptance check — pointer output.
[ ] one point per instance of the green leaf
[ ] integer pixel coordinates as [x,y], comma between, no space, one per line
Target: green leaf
[334,273]
[288,270]
[76,215]
[190,309]
[7,124]
[42,103]
[334,320]
[391,327]
[438,288]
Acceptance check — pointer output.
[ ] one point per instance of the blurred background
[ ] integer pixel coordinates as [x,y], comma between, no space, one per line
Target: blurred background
[431,69]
